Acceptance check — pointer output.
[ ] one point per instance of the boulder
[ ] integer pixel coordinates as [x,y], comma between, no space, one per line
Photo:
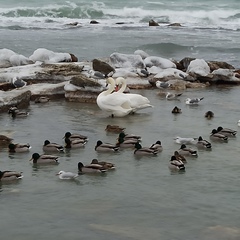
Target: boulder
[152,23]
[120,60]
[184,63]
[141,53]
[198,67]
[214,65]
[159,62]
[102,67]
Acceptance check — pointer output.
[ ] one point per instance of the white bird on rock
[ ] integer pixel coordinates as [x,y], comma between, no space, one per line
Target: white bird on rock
[162,85]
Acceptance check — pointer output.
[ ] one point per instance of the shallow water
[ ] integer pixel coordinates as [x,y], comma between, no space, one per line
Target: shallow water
[141,199]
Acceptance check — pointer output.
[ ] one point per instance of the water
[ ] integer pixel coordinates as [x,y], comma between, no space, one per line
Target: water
[141,199]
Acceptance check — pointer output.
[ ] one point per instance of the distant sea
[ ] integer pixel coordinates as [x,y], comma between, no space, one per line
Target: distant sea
[210,29]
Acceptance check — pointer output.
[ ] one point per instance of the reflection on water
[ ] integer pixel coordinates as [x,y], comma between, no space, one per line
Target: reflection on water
[141,198]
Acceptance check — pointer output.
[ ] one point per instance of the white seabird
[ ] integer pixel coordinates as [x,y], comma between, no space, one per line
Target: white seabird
[18,83]
[193,101]
[172,96]
[161,85]
[67,175]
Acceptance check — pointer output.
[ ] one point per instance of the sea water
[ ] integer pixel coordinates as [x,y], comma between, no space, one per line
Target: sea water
[141,199]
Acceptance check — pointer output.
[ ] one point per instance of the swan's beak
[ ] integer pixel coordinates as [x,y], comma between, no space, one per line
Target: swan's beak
[116,88]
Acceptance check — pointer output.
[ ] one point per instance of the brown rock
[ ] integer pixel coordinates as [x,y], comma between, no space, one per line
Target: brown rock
[153,23]
[102,67]
[184,63]
[214,65]
[73,57]
[94,22]
[175,25]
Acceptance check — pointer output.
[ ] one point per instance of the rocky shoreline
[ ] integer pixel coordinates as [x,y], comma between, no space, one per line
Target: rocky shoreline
[65,77]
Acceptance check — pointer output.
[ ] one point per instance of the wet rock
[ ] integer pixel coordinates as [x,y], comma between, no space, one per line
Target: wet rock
[102,66]
[153,23]
[184,63]
[175,25]
[214,65]
[94,22]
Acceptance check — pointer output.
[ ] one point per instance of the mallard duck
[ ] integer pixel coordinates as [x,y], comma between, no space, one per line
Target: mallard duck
[52,147]
[180,157]
[15,112]
[227,131]
[74,136]
[5,140]
[202,143]
[44,159]
[176,165]
[139,150]
[106,147]
[127,136]
[10,175]
[67,175]
[91,168]
[42,99]
[187,151]
[77,143]
[209,114]
[18,147]
[176,110]
[218,136]
[157,146]
[106,165]
[126,143]
[114,128]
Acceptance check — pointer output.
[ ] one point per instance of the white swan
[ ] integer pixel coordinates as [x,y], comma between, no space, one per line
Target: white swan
[115,103]
[137,101]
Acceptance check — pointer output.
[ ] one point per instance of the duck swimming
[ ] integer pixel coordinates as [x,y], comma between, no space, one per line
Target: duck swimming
[44,159]
[187,151]
[209,114]
[42,99]
[91,168]
[139,150]
[105,165]
[226,131]
[176,165]
[10,175]
[216,136]
[77,143]
[52,147]
[114,103]
[15,112]
[176,110]
[106,147]
[157,146]
[114,128]
[18,148]
[74,136]
[202,143]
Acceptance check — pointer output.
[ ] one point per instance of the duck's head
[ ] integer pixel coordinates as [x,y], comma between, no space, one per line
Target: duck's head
[158,142]
[11,147]
[214,131]
[138,145]
[94,161]
[173,158]
[219,129]
[35,157]
[183,146]
[80,166]
[99,142]
[46,142]
[67,135]
[200,138]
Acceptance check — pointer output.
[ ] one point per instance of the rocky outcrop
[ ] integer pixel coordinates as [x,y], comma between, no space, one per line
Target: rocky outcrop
[153,23]
[102,66]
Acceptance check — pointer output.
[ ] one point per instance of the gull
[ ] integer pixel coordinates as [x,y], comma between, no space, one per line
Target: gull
[18,83]
[172,96]
[182,140]
[161,85]
[96,74]
[142,72]
[193,101]
[67,175]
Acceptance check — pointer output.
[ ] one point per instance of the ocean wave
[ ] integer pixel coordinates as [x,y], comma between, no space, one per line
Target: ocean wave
[69,11]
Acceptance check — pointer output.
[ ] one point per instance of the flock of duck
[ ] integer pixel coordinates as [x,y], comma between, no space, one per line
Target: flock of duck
[118,104]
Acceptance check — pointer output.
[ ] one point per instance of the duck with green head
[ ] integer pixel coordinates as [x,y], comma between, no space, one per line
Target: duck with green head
[10,175]
[139,150]
[52,147]
[18,147]
[44,159]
